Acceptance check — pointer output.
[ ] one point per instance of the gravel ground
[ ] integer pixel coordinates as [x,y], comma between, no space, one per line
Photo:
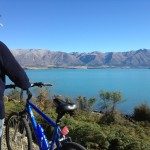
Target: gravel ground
[4,147]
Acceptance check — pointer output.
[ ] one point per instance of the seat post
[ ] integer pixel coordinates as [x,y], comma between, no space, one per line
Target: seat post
[60,114]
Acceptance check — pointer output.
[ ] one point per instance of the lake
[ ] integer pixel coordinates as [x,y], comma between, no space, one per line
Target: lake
[134,84]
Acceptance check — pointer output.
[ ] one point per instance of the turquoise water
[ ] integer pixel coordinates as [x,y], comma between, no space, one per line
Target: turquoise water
[133,83]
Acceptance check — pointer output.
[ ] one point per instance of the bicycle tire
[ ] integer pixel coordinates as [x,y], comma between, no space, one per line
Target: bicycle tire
[21,126]
[72,146]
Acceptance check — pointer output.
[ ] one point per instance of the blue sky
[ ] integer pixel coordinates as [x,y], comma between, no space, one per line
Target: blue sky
[76,25]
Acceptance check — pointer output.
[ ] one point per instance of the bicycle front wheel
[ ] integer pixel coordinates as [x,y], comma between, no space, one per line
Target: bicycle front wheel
[18,133]
[72,146]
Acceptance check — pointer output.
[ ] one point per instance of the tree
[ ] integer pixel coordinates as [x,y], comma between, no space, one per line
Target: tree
[84,103]
[109,100]
[43,100]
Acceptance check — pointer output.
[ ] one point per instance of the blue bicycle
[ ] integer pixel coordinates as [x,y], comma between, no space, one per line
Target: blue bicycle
[18,127]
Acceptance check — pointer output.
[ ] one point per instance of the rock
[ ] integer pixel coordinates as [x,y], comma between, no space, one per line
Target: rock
[17,147]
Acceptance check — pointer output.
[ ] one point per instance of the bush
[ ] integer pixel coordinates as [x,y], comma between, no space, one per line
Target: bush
[96,131]
[86,133]
[113,118]
[14,95]
[84,103]
[142,113]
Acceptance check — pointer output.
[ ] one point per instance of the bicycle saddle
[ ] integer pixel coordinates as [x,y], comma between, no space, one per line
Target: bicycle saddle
[64,107]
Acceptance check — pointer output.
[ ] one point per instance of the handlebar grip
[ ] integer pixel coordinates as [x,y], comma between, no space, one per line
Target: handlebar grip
[10,86]
[48,84]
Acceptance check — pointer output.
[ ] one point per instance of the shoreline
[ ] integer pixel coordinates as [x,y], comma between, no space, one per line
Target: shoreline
[82,67]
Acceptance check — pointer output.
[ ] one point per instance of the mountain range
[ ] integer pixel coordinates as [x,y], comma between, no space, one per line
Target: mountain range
[40,58]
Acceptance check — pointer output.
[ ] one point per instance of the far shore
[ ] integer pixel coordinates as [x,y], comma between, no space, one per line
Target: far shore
[82,67]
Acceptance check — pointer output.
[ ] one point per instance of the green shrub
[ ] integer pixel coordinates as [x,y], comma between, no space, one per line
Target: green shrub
[14,95]
[95,131]
[88,134]
[84,103]
[142,113]
[113,118]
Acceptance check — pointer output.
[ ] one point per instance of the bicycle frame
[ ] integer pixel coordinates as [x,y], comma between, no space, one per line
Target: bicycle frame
[40,134]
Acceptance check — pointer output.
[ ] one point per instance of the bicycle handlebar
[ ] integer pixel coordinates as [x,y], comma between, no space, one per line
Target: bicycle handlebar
[38,84]
[10,86]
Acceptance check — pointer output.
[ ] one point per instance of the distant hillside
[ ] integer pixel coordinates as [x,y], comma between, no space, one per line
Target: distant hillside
[38,58]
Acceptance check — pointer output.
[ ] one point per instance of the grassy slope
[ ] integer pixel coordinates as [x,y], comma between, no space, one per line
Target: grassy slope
[86,128]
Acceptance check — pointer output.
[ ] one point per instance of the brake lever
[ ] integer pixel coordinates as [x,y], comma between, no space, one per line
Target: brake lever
[29,94]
